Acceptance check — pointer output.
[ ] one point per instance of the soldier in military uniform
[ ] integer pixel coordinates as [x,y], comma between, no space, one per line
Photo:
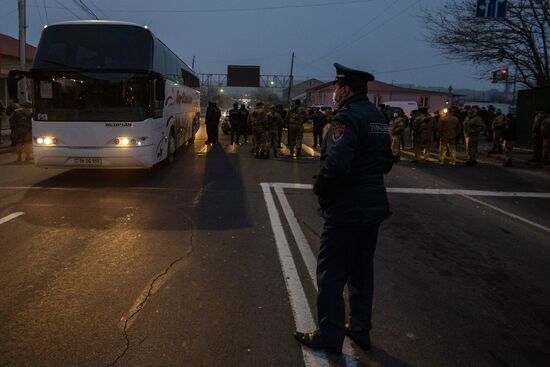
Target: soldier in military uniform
[258,122]
[509,136]
[498,126]
[397,127]
[473,126]
[537,136]
[298,117]
[274,123]
[422,126]
[449,128]
[12,106]
[21,120]
[353,202]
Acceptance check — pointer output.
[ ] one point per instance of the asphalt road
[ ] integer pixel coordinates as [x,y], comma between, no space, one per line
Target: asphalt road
[197,264]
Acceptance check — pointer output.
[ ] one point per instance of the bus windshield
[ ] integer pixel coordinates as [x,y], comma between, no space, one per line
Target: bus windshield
[94,47]
[91,96]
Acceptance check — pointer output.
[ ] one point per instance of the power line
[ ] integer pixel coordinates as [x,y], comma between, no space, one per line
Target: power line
[64,7]
[105,16]
[233,10]
[87,9]
[417,68]
[350,42]
[46,11]
[39,14]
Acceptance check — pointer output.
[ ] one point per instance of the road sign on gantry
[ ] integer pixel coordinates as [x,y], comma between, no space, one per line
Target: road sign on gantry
[491,8]
[243,76]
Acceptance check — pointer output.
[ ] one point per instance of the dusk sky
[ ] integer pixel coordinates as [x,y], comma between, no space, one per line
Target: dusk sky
[382,36]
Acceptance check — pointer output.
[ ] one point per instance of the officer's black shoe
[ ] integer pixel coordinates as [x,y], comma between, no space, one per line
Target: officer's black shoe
[315,340]
[507,163]
[361,339]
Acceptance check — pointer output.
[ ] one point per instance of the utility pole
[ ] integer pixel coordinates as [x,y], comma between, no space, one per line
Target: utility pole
[193,63]
[22,84]
[290,79]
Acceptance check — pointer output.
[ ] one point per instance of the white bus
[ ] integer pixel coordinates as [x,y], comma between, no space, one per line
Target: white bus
[110,95]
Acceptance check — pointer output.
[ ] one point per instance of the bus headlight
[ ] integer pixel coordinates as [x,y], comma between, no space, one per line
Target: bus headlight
[126,141]
[46,140]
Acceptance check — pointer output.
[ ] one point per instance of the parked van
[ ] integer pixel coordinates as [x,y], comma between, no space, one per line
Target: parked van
[407,106]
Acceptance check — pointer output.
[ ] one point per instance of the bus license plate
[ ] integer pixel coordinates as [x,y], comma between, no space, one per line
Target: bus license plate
[87,161]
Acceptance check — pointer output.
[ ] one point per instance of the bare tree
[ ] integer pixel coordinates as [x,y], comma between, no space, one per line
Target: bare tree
[521,39]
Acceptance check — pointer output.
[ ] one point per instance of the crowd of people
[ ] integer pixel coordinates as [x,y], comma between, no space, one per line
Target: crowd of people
[265,125]
[20,117]
[465,125]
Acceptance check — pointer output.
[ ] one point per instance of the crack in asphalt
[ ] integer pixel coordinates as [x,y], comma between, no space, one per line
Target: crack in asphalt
[149,293]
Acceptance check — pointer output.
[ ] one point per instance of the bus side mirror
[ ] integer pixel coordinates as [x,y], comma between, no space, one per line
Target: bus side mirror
[159,89]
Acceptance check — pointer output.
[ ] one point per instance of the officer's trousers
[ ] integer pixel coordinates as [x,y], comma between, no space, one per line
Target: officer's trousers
[346,256]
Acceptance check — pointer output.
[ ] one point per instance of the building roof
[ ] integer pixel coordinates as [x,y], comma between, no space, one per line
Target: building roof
[381,87]
[9,46]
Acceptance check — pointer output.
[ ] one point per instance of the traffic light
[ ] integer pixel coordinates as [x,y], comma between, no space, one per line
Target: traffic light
[446,102]
[503,74]
[500,75]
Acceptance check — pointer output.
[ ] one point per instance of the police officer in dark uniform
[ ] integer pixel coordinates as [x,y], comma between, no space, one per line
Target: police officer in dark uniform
[352,197]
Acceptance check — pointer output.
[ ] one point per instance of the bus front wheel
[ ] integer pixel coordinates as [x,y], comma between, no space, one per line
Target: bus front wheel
[171,151]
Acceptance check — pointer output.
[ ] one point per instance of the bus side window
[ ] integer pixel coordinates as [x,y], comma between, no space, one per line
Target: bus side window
[158,88]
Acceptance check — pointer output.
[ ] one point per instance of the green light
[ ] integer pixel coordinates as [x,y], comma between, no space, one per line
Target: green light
[272,82]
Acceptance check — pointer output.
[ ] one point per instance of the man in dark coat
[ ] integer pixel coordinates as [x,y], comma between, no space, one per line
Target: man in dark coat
[213,115]
[353,202]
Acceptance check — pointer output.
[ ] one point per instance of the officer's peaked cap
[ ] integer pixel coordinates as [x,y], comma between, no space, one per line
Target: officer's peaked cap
[345,73]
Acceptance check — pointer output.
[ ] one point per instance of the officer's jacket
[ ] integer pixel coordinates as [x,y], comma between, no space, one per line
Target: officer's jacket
[354,157]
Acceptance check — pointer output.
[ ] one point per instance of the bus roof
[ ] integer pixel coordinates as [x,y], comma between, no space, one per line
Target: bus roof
[88,22]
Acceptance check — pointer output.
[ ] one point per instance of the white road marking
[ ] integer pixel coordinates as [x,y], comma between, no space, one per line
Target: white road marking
[512,215]
[418,191]
[10,217]
[305,250]
[298,301]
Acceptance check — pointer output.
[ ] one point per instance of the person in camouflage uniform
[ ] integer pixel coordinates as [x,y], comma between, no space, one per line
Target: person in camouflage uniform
[297,119]
[497,126]
[423,126]
[545,133]
[21,120]
[12,106]
[258,122]
[449,128]
[274,123]
[473,126]
[540,115]
[397,127]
